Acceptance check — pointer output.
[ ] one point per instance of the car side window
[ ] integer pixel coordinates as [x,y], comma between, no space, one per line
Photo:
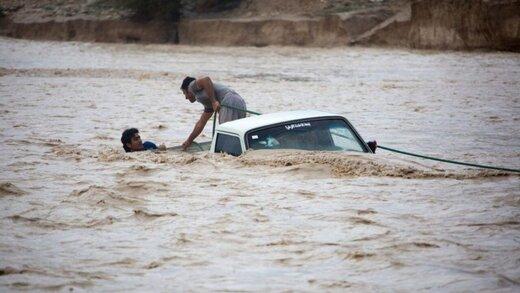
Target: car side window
[228,144]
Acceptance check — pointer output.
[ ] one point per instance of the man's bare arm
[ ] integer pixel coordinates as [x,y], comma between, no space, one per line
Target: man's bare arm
[199,126]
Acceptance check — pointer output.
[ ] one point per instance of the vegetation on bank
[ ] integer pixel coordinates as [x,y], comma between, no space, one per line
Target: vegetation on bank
[172,10]
[145,10]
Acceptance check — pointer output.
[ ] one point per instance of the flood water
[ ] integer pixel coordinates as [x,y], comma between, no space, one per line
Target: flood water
[77,213]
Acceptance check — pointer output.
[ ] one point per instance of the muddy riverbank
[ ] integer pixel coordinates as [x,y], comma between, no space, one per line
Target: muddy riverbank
[440,25]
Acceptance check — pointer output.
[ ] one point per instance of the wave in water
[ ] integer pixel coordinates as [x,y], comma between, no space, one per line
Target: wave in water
[306,163]
[356,165]
[9,189]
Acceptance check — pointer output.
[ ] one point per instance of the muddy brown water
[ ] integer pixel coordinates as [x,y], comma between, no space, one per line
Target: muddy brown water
[77,212]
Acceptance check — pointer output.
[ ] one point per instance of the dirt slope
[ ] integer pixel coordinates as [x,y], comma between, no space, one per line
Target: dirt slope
[429,24]
[477,24]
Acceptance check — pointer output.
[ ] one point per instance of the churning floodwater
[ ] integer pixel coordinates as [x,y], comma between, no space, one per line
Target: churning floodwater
[77,213]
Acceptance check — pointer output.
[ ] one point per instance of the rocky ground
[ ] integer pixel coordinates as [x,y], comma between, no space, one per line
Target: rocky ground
[61,10]
[426,24]
[291,8]
[34,10]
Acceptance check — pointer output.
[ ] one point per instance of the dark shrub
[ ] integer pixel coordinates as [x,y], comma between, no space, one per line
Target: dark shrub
[205,6]
[146,10]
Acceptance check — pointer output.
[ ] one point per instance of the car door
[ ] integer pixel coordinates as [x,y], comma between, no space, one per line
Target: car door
[229,144]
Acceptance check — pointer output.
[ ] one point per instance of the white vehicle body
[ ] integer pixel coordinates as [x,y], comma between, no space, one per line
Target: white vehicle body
[238,130]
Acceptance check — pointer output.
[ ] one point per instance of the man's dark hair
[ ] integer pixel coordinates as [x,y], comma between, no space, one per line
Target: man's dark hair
[186,82]
[127,138]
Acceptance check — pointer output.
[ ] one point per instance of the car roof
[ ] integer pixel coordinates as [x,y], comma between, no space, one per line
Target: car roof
[241,126]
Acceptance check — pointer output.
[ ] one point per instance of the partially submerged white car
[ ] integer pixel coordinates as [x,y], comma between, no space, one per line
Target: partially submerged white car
[301,130]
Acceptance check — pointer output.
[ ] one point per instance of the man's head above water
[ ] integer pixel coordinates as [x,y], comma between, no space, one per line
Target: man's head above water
[184,87]
[131,140]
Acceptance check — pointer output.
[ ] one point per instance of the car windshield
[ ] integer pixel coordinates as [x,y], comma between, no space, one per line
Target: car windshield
[319,135]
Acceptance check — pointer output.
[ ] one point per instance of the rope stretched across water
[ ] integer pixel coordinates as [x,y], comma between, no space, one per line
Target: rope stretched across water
[448,161]
[243,110]
[398,151]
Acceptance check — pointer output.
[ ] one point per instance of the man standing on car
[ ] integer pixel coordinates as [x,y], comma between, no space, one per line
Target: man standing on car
[212,96]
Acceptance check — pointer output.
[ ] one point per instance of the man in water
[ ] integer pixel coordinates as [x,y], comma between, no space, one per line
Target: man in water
[212,96]
[132,141]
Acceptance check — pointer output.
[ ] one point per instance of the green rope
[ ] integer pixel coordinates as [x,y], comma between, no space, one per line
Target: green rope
[238,109]
[448,161]
[407,153]
[214,124]
[229,107]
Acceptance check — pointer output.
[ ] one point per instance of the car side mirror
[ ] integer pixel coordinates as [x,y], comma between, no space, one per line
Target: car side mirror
[372,145]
